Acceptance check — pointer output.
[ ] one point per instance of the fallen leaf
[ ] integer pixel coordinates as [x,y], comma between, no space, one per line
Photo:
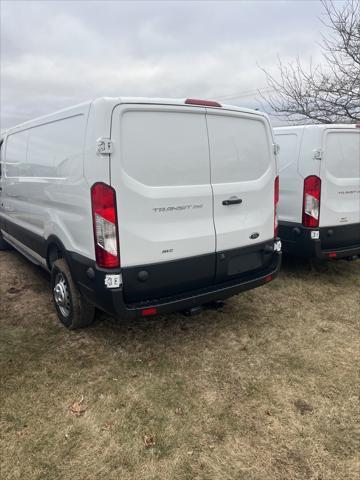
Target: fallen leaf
[77,408]
[268,412]
[179,411]
[149,441]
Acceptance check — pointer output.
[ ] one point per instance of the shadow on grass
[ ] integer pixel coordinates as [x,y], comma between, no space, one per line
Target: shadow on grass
[310,267]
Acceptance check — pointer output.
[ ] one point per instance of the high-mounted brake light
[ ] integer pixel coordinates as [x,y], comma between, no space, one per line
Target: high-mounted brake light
[276,201]
[205,103]
[311,201]
[103,201]
[147,312]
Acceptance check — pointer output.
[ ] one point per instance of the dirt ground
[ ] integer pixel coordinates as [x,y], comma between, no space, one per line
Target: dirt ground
[265,389]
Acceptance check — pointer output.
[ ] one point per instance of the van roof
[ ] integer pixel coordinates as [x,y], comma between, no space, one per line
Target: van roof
[317,126]
[110,102]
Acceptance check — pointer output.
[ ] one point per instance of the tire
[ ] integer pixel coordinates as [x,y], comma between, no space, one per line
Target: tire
[319,265]
[73,310]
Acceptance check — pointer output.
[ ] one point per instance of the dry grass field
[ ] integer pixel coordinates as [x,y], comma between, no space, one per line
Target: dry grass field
[265,389]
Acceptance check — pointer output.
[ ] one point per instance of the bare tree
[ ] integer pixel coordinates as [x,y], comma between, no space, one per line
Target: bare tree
[329,93]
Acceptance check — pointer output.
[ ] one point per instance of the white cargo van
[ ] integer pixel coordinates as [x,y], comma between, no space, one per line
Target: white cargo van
[319,207]
[142,206]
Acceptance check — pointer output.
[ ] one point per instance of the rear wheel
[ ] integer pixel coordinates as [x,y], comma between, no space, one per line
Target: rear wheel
[319,265]
[73,310]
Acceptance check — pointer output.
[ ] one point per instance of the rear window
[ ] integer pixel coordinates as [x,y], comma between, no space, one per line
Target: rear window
[342,154]
[239,148]
[165,148]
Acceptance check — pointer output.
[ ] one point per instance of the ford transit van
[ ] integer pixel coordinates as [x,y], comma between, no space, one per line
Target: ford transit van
[142,206]
[319,207]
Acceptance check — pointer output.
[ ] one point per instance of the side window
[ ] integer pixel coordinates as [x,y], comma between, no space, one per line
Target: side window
[55,147]
[15,155]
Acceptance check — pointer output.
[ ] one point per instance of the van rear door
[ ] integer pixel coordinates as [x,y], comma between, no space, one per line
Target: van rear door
[340,177]
[161,173]
[243,170]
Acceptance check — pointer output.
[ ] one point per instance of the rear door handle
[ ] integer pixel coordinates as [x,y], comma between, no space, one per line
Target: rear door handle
[232,201]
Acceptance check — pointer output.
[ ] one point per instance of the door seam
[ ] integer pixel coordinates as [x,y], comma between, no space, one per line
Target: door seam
[212,191]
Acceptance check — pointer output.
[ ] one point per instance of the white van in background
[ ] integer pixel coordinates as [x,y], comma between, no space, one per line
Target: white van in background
[319,206]
[142,206]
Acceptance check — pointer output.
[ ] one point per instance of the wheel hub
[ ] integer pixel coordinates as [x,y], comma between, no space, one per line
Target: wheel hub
[62,296]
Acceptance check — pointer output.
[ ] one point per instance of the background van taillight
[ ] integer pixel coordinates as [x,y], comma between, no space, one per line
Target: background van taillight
[311,201]
[276,201]
[103,201]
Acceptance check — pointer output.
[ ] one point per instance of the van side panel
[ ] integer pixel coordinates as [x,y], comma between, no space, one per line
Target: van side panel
[46,193]
[97,167]
[308,164]
[14,193]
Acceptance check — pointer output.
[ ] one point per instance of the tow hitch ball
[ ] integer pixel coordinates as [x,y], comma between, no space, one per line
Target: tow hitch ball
[196,310]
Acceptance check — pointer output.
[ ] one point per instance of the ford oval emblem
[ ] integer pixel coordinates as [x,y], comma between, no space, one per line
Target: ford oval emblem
[254,235]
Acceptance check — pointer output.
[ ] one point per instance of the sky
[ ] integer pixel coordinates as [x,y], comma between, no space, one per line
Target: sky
[55,54]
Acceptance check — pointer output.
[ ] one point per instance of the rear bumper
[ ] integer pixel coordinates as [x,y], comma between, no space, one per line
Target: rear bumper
[211,294]
[341,241]
[112,300]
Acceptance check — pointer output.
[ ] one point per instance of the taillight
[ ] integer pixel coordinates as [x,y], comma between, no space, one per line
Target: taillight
[103,201]
[276,201]
[311,201]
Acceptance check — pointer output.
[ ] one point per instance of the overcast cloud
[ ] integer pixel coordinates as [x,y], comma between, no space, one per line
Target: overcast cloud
[56,54]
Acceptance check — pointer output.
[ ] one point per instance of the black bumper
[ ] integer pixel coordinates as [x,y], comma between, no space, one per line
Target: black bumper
[342,241]
[91,282]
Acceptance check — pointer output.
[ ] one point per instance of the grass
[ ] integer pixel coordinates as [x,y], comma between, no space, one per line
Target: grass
[265,389]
